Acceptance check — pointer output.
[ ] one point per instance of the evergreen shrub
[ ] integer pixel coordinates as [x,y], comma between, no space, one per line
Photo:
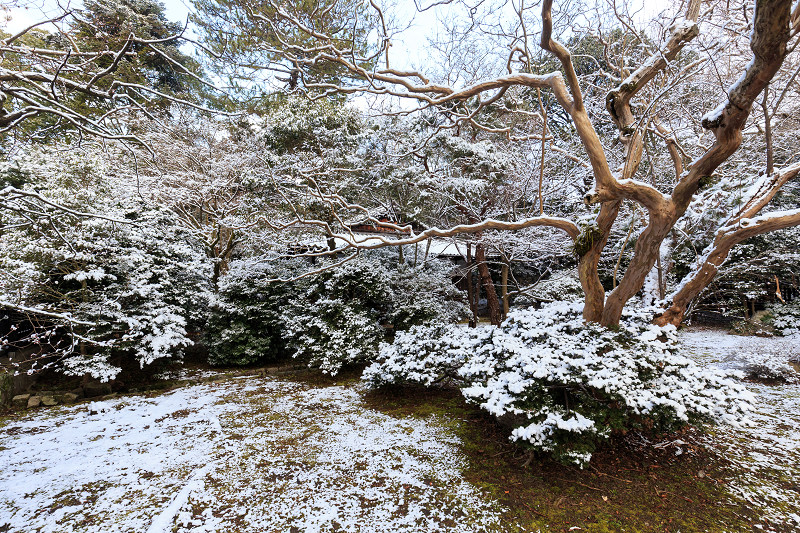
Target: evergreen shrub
[561,385]
[337,317]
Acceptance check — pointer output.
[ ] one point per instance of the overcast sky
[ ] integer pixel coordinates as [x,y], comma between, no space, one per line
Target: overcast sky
[26,12]
[408,49]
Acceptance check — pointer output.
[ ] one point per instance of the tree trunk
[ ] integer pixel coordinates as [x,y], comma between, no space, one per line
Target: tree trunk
[769,45]
[504,287]
[589,247]
[223,256]
[476,284]
[646,252]
[473,307]
[488,285]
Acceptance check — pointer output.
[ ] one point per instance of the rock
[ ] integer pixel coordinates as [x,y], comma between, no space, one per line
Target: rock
[49,401]
[69,397]
[110,396]
[34,401]
[77,392]
[46,393]
[95,388]
[20,400]
[95,408]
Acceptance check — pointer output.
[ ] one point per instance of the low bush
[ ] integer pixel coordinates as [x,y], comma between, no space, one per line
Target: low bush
[329,320]
[786,318]
[561,385]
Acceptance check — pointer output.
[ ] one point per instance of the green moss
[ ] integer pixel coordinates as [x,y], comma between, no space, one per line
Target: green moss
[706,181]
[714,123]
[588,236]
[624,489]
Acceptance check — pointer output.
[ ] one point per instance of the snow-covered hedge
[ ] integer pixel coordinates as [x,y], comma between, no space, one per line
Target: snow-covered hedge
[786,318]
[563,385]
[337,317]
[244,325]
[134,288]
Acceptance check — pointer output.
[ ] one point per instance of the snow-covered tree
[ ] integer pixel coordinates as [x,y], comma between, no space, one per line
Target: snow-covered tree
[330,320]
[651,73]
[93,70]
[100,274]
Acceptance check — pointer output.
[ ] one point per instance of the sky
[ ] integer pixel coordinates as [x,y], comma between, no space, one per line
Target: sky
[408,51]
[23,13]
[408,47]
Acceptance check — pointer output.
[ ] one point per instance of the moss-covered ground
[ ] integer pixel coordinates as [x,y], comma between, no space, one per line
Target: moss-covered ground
[283,449]
[629,486]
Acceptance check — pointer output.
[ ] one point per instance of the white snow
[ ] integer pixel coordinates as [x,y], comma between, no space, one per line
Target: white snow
[260,454]
[757,357]
[250,454]
[766,451]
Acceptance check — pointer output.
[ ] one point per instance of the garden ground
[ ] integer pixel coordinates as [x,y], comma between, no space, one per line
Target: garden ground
[300,452]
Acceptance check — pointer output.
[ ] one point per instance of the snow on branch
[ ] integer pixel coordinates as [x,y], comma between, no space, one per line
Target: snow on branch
[9,195]
[66,317]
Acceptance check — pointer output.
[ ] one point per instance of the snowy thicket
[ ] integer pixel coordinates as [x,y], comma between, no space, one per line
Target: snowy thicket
[563,385]
[129,284]
[328,320]
[786,318]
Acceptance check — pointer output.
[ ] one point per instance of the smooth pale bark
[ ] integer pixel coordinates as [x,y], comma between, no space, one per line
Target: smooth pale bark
[768,43]
[594,293]
[722,246]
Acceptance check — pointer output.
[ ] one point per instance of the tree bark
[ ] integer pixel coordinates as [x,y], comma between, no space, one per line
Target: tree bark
[722,246]
[769,46]
[504,288]
[488,285]
[589,246]
[473,306]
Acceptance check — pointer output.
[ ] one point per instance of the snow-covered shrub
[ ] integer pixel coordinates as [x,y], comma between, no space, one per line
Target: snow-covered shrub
[133,288]
[334,318]
[423,295]
[139,287]
[247,315]
[786,318]
[563,385]
[337,317]
[561,285]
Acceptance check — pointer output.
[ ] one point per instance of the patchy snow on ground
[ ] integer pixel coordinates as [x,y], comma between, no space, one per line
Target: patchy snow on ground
[252,454]
[257,454]
[767,358]
[766,450]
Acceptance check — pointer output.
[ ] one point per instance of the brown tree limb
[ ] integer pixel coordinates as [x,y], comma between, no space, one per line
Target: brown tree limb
[618,101]
[716,255]
[768,43]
